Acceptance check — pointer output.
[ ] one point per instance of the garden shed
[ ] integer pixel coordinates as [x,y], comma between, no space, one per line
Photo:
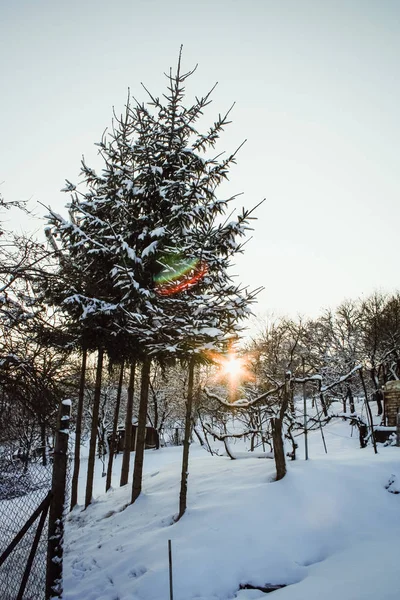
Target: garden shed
[152,438]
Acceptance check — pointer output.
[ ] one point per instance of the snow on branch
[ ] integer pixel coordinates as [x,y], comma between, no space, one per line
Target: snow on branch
[248,403]
[307,379]
[242,403]
[325,388]
[223,437]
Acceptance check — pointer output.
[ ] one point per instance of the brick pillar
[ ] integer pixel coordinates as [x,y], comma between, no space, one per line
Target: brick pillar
[392,402]
[398,430]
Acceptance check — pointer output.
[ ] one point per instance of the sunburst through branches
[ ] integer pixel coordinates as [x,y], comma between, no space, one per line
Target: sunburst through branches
[233,371]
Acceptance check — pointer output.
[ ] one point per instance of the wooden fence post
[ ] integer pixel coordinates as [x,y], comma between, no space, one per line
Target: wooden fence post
[56,516]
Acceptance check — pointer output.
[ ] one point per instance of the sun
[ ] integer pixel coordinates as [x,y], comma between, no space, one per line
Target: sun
[232,366]
[232,371]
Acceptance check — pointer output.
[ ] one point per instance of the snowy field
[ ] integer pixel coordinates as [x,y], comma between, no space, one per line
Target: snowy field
[329,529]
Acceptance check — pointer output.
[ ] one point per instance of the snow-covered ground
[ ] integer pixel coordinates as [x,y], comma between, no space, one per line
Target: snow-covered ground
[329,529]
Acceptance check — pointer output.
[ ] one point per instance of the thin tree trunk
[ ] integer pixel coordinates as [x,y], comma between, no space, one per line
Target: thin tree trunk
[369,413]
[276,424]
[292,408]
[209,449]
[279,451]
[260,428]
[128,427]
[43,442]
[141,430]
[78,432]
[323,404]
[93,433]
[156,419]
[111,449]
[294,445]
[201,441]
[379,398]
[186,444]
[378,393]
[384,374]
[363,432]
[344,399]
[351,400]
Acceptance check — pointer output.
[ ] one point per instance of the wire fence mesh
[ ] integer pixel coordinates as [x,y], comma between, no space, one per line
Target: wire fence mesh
[24,483]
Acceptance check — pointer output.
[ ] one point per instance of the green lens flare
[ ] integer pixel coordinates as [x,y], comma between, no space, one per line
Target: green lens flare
[174,267]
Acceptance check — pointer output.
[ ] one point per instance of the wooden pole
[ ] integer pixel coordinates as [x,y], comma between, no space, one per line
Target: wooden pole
[171,588]
[305,413]
[56,516]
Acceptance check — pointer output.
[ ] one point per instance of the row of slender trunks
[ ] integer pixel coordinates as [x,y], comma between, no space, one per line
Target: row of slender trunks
[140,436]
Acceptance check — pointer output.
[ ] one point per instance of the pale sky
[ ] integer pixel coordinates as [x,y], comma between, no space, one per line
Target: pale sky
[317,92]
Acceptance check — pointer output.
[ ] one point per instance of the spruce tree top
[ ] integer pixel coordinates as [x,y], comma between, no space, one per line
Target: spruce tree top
[153,208]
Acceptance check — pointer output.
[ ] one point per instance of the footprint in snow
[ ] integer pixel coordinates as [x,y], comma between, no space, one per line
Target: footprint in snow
[137,572]
[393,485]
[81,565]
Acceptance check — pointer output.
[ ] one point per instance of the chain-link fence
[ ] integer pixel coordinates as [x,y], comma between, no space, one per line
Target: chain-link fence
[24,484]
[25,481]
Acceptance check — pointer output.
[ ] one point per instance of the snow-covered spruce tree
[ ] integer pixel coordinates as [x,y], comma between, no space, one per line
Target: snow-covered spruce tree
[188,314]
[84,290]
[153,214]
